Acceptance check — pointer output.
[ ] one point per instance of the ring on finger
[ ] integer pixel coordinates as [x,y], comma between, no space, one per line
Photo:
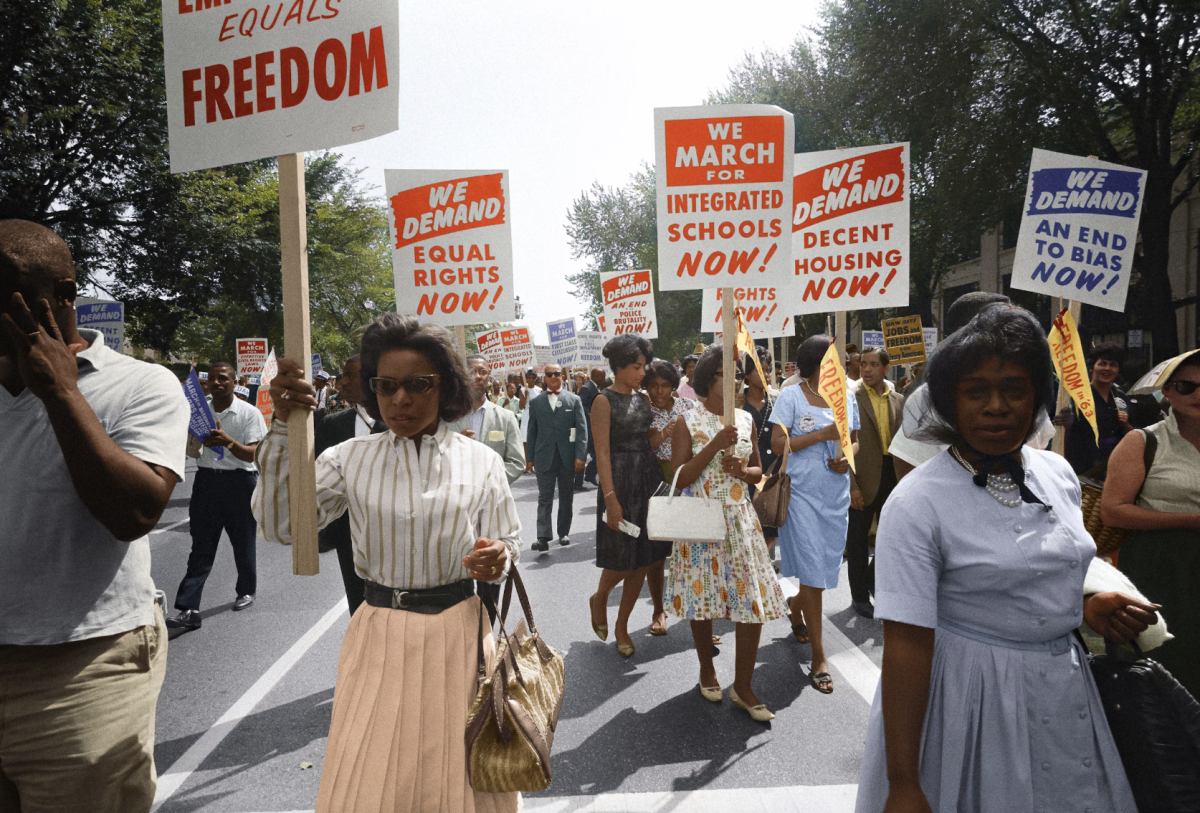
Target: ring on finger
[285,395]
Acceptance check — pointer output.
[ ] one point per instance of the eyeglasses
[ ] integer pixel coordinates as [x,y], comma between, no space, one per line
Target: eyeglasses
[552,375]
[480,372]
[415,385]
[1182,387]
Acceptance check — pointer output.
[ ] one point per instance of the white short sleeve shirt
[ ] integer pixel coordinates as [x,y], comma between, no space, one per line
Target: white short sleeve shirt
[243,423]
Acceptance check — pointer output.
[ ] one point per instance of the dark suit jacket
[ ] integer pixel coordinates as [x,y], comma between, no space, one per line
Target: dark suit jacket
[550,430]
[329,431]
[587,395]
[868,460]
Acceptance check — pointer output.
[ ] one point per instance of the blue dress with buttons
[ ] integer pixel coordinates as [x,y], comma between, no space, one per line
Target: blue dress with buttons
[1014,721]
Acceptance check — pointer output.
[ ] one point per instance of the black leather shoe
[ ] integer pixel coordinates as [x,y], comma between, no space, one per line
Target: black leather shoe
[564,540]
[864,608]
[243,602]
[542,545]
[186,620]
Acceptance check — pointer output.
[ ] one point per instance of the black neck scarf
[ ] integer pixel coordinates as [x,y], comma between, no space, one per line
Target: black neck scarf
[1012,464]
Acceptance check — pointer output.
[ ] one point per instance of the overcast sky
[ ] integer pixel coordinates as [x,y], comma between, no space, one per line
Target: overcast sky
[561,95]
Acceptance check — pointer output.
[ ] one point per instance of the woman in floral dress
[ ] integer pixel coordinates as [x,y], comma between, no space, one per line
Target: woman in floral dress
[733,579]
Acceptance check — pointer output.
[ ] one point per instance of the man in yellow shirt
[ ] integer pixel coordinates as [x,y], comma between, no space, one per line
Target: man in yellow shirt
[881,410]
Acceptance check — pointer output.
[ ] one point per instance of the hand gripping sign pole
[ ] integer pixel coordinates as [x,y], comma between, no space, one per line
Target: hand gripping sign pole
[297,340]
[729,354]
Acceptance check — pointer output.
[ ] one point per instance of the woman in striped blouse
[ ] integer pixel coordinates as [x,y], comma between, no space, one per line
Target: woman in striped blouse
[430,511]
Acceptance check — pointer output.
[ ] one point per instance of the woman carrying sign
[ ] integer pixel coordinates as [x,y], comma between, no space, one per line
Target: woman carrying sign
[812,540]
[406,673]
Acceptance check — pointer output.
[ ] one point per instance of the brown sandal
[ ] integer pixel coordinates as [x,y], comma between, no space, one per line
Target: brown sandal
[659,627]
[821,681]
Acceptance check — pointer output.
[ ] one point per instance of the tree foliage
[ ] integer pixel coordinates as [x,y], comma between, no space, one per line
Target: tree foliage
[615,228]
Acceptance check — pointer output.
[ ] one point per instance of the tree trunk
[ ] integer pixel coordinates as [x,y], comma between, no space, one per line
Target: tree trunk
[1154,300]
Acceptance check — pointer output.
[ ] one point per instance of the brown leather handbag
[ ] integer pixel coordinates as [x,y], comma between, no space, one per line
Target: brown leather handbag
[772,500]
[511,722]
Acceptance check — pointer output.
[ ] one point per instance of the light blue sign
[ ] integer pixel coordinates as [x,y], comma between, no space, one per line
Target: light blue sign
[563,344]
[106,317]
[316,365]
[202,420]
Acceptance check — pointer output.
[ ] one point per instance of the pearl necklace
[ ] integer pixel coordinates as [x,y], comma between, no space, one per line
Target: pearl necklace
[997,484]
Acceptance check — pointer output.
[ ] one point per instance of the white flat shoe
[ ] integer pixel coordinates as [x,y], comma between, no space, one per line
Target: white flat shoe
[759,713]
[713,695]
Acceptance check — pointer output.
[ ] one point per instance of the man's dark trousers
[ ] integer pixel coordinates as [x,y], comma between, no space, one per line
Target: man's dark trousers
[860,565]
[220,502]
[564,475]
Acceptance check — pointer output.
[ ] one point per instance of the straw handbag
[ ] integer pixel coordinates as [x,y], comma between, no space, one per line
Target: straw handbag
[511,722]
[1109,539]
[685,519]
[772,500]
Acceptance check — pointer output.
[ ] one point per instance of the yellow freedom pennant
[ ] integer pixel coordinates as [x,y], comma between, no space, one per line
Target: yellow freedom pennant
[832,386]
[745,344]
[1071,366]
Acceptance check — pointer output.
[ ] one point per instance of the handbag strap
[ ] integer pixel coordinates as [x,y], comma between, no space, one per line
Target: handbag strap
[514,578]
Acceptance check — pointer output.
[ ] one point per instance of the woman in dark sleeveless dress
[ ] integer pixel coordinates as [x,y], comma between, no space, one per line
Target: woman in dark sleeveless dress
[629,476]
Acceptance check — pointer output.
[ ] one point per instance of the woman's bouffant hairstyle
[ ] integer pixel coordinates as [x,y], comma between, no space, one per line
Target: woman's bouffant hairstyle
[810,353]
[394,331]
[691,358]
[1006,332]
[625,349]
[710,363]
[661,368]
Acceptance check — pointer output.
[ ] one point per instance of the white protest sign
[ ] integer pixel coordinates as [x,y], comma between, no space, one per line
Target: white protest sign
[931,338]
[451,245]
[591,348]
[507,348]
[724,193]
[251,356]
[765,311]
[600,322]
[103,315]
[1078,229]
[541,357]
[563,345]
[254,81]
[850,228]
[629,303]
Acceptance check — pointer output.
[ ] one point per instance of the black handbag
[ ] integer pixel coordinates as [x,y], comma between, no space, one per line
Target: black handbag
[1156,725]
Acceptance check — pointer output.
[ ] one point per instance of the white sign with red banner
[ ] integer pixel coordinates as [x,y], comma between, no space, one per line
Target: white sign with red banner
[765,311]
[263,398]
[850,225]
[724,194]
[451,245]
[254,81]
[629,303]
[251,356]
[507,348]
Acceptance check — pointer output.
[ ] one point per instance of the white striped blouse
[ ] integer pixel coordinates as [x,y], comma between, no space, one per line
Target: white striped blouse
[412,519]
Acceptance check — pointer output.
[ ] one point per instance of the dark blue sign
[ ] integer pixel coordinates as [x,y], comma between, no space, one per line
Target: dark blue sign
[1085,190]
[202,421]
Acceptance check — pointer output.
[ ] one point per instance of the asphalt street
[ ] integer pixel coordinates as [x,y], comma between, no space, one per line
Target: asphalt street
[246,705]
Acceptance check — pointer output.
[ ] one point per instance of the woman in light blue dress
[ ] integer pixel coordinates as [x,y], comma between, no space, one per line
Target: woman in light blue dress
[986,702]
[813,538]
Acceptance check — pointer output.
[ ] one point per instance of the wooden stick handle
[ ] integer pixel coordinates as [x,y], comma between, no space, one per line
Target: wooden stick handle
[1059,444]
[729,353]
[297,341]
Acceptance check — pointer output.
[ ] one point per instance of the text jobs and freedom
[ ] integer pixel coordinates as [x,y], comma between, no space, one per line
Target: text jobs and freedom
[288,76]
[723,195]
[451,245]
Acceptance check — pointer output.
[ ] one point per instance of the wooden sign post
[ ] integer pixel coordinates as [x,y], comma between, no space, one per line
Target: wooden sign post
[1059,445]
[297,340]
[460,338]
[728,354]
[839,334]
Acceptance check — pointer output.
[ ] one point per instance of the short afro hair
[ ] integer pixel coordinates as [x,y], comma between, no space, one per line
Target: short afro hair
[1108,351]
[884,358]
[394,331]
[660,368]
[625,349]
[968,306]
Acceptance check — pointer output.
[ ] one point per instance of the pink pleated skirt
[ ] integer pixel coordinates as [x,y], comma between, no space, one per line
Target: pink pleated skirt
[397,741]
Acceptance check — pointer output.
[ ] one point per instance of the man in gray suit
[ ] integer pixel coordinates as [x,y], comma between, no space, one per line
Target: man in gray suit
[487,423]
[557,451]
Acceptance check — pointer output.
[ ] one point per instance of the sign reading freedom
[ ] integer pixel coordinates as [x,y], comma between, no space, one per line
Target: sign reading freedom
[249,82]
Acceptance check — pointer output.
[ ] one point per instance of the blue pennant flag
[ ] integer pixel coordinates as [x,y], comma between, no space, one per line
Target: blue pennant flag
[202,421]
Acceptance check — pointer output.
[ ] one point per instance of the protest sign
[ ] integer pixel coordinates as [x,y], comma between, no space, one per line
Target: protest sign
[872,338]
[316,365]
[764,310]
[451,245]
[541,357]
[507,348]
[629,302]
[105,316]
[832,387]
[263,398]
[931,339]
[789,369]
[600,321]
[591,348]
[1152,381]
[251,356]
[850,225]
[1078,229]
[563,345]
[258,81]
[1066,349]
[904,339]
[723,194]
[202,420]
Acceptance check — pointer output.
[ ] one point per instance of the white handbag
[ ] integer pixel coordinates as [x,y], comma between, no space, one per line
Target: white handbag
[685,519]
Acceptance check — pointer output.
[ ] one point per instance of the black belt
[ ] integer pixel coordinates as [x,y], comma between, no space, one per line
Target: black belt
[429,602]
[206,470]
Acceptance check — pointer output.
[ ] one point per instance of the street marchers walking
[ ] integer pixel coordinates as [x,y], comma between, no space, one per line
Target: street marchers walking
[93,445]
[556,452]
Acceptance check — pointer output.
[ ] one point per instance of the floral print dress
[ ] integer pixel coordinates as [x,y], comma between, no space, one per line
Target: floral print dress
[659,418]
[733,579]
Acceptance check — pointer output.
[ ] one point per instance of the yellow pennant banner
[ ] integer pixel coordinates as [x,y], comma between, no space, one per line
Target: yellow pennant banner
[745,344]
[1067,351]
[832,386]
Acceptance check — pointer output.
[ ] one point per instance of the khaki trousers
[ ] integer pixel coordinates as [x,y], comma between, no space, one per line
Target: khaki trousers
[77,723]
